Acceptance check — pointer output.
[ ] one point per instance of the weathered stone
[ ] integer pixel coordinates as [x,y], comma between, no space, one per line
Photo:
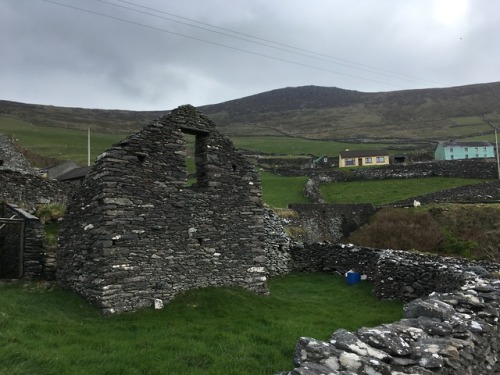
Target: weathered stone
[428,308]
[138,191]
[386,339]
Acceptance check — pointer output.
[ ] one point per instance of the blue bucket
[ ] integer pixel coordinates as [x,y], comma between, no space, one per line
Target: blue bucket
[353,278]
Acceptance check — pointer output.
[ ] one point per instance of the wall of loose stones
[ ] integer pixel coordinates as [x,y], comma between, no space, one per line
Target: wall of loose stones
[450,325]
[135,231]
[28,190]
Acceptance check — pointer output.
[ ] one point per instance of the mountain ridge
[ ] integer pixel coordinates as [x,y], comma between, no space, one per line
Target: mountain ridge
[312,112]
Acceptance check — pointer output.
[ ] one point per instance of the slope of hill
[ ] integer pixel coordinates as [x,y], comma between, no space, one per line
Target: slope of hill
[312,112]
[332,113]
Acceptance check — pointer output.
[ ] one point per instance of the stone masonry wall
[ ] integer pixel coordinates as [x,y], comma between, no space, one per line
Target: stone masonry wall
[329,222]
[452,330]
[30,190]
[136,231]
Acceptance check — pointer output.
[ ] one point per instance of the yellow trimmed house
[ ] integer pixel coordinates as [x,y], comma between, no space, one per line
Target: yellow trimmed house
[358,158]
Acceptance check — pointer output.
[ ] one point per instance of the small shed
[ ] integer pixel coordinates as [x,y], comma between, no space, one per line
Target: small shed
[21,244]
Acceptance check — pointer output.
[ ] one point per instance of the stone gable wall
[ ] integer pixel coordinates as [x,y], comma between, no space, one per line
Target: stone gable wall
[450,323]
[135,231]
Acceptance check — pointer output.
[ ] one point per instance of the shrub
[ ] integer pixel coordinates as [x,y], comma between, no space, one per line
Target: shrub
[400,229]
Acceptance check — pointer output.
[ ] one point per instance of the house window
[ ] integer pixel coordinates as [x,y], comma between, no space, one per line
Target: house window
[368,160]
[466,156]
[477,155]
[452,157]
[451,149]
[484,149]
[477,149]
[466,149]
[380,159]
[350,162]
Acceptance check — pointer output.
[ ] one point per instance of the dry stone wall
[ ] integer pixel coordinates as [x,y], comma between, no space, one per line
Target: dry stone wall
[29,190]
[136,231]
[450,323]
[329,222]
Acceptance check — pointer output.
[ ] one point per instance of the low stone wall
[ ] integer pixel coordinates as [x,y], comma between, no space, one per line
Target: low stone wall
[30,190]
[277,245]
[395,274]
[329,222]
[450,325]
[448,333]
[467,168]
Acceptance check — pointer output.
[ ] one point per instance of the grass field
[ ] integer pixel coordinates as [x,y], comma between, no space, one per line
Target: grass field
[387,191]
[71,144]
[60,143]
[205,331]
[278,191]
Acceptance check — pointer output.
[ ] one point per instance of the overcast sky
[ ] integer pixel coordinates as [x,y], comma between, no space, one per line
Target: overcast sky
[158,54]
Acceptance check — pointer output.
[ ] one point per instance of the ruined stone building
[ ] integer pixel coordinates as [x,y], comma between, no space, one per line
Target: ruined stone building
[137,229]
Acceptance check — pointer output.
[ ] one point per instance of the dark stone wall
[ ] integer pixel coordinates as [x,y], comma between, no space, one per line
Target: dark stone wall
[330,222]
[135,231]
[396,274]
[450,325]
[30,190]
[467,168]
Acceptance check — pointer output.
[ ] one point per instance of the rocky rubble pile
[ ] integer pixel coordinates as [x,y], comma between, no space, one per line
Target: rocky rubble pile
[11,158]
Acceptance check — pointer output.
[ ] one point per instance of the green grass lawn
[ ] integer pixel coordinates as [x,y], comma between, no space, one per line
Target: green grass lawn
[279,191]
[61,143]
[387,191]
[297,146]
[204,331]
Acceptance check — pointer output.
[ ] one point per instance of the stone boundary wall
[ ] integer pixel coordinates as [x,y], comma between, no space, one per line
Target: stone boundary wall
[452,330]
[467,168]
[329,222]
[30,190]
[396,274]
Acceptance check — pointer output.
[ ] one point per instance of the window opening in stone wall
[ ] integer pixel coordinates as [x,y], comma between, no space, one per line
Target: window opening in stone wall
[196,147]
[190,142]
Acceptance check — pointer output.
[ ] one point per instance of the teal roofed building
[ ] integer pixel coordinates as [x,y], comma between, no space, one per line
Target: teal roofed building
[452,150]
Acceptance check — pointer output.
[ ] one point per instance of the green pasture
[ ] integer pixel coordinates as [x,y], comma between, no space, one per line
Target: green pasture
[298,146]
[60,143]
[45,330]
[380,192]
[278,191]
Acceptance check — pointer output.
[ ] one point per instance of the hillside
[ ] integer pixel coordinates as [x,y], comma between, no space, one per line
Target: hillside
[311,112]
